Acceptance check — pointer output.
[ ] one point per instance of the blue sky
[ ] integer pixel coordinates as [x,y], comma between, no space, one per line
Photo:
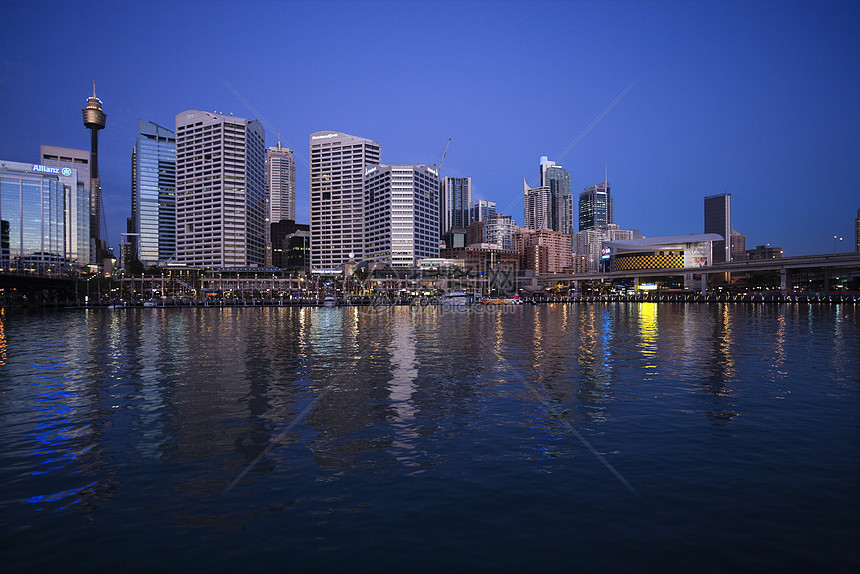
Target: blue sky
[757,99]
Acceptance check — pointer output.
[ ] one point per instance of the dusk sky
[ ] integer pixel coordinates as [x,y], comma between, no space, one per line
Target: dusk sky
[757,99]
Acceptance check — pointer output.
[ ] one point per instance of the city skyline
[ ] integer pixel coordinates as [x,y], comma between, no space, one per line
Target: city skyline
[721,98]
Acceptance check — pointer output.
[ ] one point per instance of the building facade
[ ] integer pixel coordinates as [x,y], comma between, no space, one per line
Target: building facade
[588,245]
[78,216]
[153,193]
[338,163]
[499,230]
[595,207]
[280,184]
[557,179]
[718,219]
[220,190]
[857,233]
[543,250]
[401,214]
[35,233]
[537,207]
[480,210]
[455,198]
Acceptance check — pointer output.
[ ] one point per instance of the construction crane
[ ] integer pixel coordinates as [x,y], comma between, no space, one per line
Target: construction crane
[444,153]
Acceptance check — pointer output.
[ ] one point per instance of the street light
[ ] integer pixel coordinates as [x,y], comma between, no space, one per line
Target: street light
[834,242]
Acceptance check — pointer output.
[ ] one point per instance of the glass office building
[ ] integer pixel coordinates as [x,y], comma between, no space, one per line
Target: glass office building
[35,235]
[595,207]
[154,193]
[557,179]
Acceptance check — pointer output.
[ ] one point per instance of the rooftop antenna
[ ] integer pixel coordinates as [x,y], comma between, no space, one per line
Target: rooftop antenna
[279,134]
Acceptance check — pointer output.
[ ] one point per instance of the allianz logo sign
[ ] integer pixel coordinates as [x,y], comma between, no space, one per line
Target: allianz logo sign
[66,171]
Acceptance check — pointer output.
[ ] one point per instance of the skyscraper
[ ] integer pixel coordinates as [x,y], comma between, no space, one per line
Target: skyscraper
[499,230]
[557,179]
[402,214]
[94,120]
[153,193]
[280,184]
[338,163]
[220,190]
[718,219]
[454,200]
[481,209]
[537,207]
[36,230]
[595,207]
[280,193]
[78,241]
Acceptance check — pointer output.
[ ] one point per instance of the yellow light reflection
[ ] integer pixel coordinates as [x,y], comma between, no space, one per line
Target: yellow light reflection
[648,336]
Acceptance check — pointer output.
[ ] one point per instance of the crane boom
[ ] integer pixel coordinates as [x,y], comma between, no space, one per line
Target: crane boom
[444,153]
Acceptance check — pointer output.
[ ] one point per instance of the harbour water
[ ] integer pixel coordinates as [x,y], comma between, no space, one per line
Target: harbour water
[672,437]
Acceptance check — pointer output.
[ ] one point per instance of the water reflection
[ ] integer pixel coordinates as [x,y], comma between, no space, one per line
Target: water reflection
[167,406]
[401,388]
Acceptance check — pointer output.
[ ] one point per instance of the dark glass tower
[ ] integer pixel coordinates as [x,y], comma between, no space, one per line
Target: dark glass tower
[595,207]
[718,219]
[94,120]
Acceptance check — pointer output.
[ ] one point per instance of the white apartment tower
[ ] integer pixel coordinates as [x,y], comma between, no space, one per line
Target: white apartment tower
[220,190]
[338,162]
[401,214]
[537,207]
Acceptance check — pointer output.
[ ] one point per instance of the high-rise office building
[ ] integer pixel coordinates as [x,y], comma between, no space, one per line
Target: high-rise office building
[280,184]
[401,214]
[595,207]
[280,193]
[557,179]
[537,207]
[220,190]
[153,193]
[338,163]
[481,209]
[94,120]
[718,219]
[35,232]
[77,218]
[454,200]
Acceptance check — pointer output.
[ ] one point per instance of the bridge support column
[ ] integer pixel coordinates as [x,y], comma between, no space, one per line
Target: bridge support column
[783,280]
[704,284]
[636,284]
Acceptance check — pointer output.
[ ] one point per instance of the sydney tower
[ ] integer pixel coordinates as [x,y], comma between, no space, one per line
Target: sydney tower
[94,119]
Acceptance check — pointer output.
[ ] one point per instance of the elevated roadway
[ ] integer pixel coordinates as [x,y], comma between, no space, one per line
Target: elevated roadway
[850,262]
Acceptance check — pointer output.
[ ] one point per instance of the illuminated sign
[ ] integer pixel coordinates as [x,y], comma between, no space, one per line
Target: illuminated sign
[66,171]
[369,170]
[324,137]
[45,169]
[433,171]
